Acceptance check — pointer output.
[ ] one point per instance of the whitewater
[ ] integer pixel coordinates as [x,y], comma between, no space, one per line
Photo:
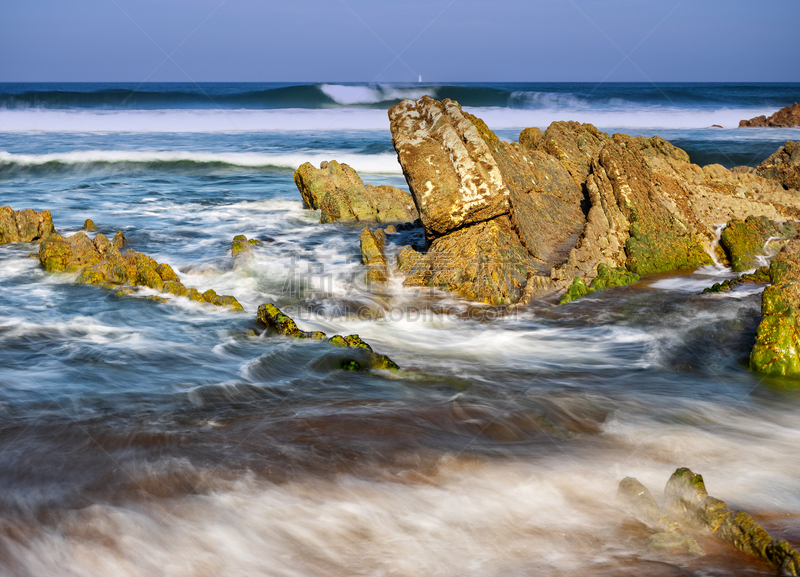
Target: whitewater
[141,438]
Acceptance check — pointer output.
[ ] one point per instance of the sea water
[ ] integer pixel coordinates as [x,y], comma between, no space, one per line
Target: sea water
[140,438]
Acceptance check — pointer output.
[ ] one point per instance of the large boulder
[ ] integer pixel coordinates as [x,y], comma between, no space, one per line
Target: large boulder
[24,225]
[341,195]
[783,166]
[788,116]
[100,261]
[508,222]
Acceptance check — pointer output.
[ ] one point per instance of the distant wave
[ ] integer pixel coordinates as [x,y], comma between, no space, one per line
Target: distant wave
[99,159]
[119,96]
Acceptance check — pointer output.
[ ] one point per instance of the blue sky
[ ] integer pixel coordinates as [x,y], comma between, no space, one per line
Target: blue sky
[386,40]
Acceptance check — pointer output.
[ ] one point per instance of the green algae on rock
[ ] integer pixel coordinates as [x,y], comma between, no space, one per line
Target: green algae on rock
[273,318]
[242,249]
[337,190]
[744,241]
[607,277]
[24,225]
[760,276]
[89,226]
[777,347]
[99,261]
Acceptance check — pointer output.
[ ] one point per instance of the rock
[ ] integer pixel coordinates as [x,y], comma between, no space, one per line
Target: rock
[668,533]
[777,347]
[606,277]
[786,117]
[760,276]
[509,222]
[783,166]
[99,261]
[242,249]
[271,317]
[372,255]
[744,241]
[24,225]
[89,226]
[686,498]
[341,195]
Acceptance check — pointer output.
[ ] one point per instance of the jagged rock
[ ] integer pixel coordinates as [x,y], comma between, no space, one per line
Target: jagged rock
[89,226]
[786,117]
[509,222]
[744,241]
[777,348]
[668,533]
[372,255]
[24,225]
[686,498]
[99,261]
[783,166]
[341,195]
[271,317]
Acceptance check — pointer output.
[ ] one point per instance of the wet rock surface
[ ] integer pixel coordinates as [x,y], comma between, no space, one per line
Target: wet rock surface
[100,261]
[24,225]
[341,195]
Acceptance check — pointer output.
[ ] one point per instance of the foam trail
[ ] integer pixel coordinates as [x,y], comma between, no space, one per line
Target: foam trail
[368,163]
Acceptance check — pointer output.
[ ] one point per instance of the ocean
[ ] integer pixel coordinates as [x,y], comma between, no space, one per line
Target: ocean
[144,438]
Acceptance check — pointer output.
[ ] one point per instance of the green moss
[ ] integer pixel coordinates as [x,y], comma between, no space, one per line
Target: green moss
[744,240]
[176,288]
[166,273]
[607,277]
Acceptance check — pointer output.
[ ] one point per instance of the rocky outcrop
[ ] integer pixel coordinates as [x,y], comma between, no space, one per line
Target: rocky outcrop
[508,222]
[100,261]
[372,255]
[359,355]
[783,166]
[786,117]
[24,225]
[777,348]
[744,241]
[341,195]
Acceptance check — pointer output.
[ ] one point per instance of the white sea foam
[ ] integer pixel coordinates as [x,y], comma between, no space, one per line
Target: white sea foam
[349,95]
[368,163]
[159,121]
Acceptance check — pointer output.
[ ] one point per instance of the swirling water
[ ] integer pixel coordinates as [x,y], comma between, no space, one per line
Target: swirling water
[140,438]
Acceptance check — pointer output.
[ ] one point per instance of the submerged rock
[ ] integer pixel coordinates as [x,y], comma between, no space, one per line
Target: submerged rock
[100,262]
[341,195]
[508,222]
[364,357]
[788,116]
[783,166]
[668,534]
[372,255]
[242,249]
[760,276]
[24,225]
[744,241]
[89,226]
[686,498]
[606,277]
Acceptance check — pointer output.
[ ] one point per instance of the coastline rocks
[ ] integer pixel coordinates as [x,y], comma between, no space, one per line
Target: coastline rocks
[372,254]
[744,241]
[99,261]
[362,356]
[786,117]
[783,166]
[509,222]
[24,225]
[89,226]
[341,195]
[606,277]
[777,347]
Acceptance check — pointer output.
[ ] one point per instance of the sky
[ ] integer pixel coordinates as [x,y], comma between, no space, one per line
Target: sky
[394,41]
